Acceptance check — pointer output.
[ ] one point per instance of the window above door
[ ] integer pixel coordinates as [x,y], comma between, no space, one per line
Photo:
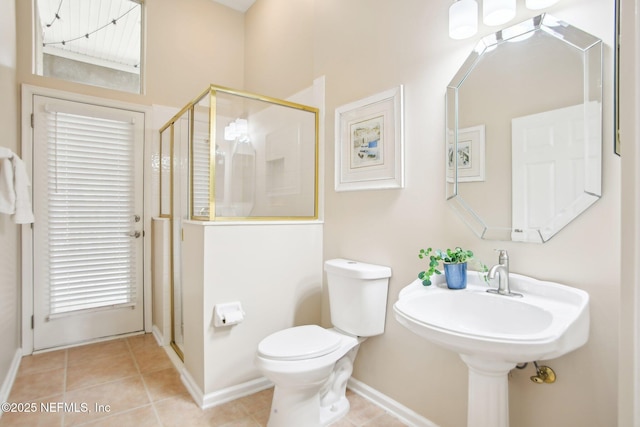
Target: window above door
[95,42]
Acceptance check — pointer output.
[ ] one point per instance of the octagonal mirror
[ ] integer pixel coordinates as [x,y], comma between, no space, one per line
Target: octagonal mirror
[524,131]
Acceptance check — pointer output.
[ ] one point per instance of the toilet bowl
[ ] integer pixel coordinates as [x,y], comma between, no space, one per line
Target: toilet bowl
[310,365]
[301,362]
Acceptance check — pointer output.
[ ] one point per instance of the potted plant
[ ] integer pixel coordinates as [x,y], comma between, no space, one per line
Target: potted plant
[455,266]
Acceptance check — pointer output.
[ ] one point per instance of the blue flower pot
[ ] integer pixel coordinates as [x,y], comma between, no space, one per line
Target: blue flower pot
[456,275]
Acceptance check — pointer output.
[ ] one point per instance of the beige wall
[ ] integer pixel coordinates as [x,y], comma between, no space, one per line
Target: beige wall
[9,232]
[366,46]
[279,62]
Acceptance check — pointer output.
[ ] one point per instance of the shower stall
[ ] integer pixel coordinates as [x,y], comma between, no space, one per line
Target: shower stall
[231,157]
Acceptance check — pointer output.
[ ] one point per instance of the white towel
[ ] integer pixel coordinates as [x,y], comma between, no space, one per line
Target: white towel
[7,191]
[5,153]
[14,187]
[24,213]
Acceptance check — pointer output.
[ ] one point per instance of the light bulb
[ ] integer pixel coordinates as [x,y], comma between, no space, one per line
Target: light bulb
[497,12]
[230,132]
[463,19]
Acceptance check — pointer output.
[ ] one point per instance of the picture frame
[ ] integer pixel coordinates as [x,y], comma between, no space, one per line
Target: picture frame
[369,143]
[471,155]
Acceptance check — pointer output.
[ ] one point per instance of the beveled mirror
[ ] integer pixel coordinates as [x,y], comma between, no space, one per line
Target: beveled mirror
[524,131]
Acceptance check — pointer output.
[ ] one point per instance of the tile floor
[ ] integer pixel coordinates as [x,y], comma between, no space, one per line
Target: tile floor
[132,382]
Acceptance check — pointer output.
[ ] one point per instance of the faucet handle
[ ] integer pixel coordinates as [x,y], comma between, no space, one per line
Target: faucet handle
[503,256]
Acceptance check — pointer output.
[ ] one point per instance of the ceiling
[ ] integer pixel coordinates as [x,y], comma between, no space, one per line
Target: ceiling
[240,5]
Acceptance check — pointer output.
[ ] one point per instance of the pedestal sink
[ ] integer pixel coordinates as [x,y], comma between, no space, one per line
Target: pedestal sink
[493,333]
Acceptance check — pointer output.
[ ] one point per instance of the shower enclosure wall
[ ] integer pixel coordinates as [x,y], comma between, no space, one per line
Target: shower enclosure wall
[230,157]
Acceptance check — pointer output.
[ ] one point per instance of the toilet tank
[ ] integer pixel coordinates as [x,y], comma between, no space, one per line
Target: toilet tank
[357,296]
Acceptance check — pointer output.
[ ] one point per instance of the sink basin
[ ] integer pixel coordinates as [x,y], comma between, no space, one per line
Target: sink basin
[548,321]
[493,333]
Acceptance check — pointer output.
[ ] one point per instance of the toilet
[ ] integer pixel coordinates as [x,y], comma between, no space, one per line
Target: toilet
[310,365]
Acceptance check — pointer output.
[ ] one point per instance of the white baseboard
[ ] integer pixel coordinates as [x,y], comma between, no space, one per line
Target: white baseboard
[160,338]
[235,392]
[173,356]
[226,394]
[192,387]
[10,377]
[394,408]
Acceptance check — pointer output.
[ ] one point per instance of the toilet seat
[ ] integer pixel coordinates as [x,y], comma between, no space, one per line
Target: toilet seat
[299,343]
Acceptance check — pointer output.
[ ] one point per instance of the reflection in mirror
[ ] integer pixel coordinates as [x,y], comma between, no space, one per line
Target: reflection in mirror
[200,170]
[524,131]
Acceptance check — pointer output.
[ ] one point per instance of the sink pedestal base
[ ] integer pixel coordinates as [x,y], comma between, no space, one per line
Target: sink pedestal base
[488,392]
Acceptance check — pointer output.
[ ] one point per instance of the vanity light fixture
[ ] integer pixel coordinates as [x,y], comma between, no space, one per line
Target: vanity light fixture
[463,19]
[463,14]
[539,4]
[497,12]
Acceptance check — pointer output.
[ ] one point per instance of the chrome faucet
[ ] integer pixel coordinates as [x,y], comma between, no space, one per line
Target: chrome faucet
[502,269]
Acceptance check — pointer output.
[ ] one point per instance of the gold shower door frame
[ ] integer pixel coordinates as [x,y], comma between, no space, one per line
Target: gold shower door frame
[210,95]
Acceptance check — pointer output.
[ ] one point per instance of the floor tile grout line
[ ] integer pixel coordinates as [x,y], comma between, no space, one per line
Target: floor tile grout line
[100,383]
[103,383]
[138,374]
[144,384]
[133,356]
[151,402]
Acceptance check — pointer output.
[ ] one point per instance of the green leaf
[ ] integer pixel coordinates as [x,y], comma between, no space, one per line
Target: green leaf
[435,257]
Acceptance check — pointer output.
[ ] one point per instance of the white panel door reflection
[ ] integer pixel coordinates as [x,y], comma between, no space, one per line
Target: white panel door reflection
[550,156]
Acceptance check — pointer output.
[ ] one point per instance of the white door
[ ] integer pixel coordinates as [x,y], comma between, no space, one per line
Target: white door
[87,235]
[550,156]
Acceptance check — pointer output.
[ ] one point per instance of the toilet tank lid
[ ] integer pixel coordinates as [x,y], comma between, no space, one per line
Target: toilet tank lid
[356,269]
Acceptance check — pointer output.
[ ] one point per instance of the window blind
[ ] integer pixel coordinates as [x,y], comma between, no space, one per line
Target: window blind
[200,170]
[90,169]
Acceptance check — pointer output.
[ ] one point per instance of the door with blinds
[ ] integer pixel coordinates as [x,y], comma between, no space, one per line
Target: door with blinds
[87,201]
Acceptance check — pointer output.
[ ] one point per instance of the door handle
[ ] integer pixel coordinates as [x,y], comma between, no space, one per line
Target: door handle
[135,234]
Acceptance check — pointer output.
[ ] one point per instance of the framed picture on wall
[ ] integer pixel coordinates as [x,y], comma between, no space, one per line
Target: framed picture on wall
[470,155]
[369,142]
